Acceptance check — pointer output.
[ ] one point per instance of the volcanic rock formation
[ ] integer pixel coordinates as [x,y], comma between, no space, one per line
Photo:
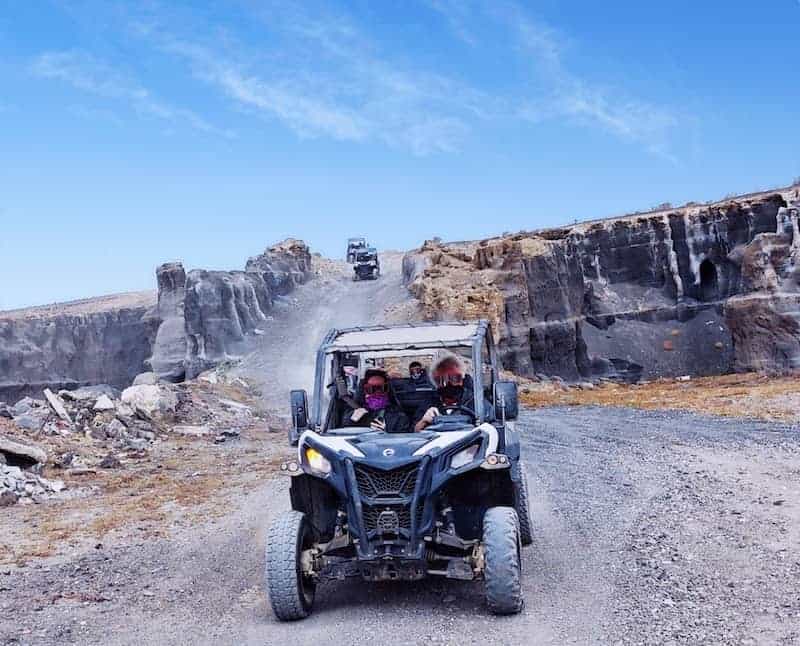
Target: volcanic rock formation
[103,340]
[698,290]
[205,316]
[196,320]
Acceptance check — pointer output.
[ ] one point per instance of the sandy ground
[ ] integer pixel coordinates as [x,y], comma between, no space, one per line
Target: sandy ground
[748,395]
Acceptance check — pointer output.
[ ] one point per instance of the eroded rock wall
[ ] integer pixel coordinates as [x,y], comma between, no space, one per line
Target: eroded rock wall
[195,321]
[74,345]
[654,294]
[206,316]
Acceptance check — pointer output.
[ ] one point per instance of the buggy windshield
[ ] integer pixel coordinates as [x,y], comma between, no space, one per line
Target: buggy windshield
[346,354]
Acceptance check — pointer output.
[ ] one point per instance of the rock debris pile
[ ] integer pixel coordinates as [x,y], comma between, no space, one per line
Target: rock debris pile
[100,427]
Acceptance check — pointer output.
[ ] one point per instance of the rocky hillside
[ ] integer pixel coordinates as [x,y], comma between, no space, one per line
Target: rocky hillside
[194,321]
[702,289]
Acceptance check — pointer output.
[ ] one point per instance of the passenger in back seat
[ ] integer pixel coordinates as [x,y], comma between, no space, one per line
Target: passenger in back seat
[417,374]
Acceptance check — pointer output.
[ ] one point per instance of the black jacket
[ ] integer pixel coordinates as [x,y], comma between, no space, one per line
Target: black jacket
[396,420]
[467,400]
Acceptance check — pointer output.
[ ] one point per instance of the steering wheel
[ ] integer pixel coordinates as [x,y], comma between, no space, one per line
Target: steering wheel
[461,409]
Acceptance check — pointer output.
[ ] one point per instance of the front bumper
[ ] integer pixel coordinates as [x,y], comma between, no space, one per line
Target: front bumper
[388,516]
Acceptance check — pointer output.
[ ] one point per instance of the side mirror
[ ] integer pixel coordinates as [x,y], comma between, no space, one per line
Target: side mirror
[298,402]
[506,401]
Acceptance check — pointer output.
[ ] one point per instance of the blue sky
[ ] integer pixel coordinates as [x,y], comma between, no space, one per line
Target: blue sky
[137,133]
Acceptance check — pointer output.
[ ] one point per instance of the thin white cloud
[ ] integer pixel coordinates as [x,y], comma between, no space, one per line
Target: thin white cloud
[564,94]
[86,73]
[306,113]
[322,76]
[332,82]
[457,16]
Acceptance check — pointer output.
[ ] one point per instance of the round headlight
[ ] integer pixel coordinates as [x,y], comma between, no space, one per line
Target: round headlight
[317,461]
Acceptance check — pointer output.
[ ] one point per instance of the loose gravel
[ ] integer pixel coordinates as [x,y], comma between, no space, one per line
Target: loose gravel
[648,528]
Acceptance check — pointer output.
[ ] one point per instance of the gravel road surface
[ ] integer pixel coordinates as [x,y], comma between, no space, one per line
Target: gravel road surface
[650,528]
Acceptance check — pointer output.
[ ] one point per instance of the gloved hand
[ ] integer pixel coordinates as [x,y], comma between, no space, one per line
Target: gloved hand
[378,425]
[357,414]
[430,414]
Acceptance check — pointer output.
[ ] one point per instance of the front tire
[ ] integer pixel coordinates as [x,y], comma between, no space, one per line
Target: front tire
[503,568]
[522,505]
[291,593]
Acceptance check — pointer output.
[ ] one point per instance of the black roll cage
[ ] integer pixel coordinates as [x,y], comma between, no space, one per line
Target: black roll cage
[477,341]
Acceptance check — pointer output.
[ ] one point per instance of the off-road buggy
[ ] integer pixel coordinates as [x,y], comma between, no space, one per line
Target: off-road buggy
[449,501]
[354,245]
[367,266]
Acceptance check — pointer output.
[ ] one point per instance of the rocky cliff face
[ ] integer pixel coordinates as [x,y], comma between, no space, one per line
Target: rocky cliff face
[105,340]
[697,290]
[196,320]
[206,316]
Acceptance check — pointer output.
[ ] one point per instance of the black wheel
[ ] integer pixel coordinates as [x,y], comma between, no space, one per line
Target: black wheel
[503,569]
[522,504]
[291,594]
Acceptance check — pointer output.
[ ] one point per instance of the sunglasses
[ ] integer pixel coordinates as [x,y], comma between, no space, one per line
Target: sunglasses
[375,389]
[415,371]
[449,380]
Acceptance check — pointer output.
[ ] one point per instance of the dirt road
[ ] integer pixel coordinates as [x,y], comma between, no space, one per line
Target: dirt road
[650,528]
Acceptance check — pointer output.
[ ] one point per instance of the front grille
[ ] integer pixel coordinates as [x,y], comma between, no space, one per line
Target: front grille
[377,483]
[372,514]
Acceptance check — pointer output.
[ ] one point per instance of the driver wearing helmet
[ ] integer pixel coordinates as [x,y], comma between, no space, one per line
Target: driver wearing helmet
[453,390]
[377,406]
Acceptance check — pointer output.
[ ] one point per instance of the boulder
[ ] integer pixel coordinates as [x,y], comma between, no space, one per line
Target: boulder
[33,420]
[150,401]
[57,405]
[146,379]
[115,428]
[26,404]
[89,392]
[104,403]
[124,411]
[21,454]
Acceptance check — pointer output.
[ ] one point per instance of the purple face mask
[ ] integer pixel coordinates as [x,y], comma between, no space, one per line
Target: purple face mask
[377,401]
